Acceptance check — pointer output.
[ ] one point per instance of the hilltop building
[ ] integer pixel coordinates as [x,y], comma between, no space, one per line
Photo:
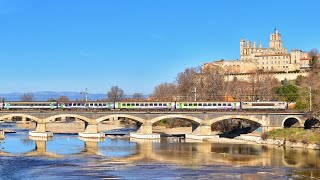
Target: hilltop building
[255,57]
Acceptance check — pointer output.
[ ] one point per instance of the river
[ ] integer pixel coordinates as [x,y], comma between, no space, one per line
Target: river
[68,157]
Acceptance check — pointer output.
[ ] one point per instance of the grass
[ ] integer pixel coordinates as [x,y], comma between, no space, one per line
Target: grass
[295,135]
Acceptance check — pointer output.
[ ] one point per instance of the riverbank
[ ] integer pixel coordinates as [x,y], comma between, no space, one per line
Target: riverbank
[279,142]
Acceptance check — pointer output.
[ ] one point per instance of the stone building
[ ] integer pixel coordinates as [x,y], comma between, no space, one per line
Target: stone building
[275,58]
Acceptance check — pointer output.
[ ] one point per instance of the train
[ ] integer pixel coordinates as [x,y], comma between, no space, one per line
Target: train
[145,105]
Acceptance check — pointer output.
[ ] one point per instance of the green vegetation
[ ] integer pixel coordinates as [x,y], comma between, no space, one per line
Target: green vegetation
[295,135]
[289,93]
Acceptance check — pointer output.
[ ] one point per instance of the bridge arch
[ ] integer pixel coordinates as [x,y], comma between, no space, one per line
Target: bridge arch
[131,117]
[32,118]
[311,122]
[82,118]
[190,118]
[290,121]
[250,118]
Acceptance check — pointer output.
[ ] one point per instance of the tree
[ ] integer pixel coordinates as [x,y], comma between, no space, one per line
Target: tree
[186,81]
[52,99]
[63,99]
[214,85]
[164,92]
[314,58]
[288,93]
[313,52]
[115,94]
[138,97]
[27,97]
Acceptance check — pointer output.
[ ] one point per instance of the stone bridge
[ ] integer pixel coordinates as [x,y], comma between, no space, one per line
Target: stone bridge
[201,121]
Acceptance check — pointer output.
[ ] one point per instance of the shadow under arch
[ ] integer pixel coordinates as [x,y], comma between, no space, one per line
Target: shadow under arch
[312,122]
[82,118]
[291,121]
[32,118]
[186,117]
[241,117]
[134,118]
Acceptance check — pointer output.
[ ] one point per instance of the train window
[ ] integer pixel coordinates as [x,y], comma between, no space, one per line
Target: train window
[209,104]
[205,104]
[70,104]
[190,104]
[194,104]
[141,104]
[229,104]
[91,104]
[185,104]
[165,104]
[137,104]
[155,104]
[219,104]
[214,104]
[160,104]
[78,104]
[123,104]
[147,104]
[224,104]
[132,104]
[128,104]
[199,104]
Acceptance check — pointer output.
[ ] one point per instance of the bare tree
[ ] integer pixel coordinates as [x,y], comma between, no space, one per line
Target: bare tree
[215,86]
[63,99]
[187,81]
[52,99]
[138,97]
[115,94]
[313,52]
[164,92]
[27,97]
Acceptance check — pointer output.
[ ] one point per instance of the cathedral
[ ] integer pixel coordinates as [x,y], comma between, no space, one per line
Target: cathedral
[275,58]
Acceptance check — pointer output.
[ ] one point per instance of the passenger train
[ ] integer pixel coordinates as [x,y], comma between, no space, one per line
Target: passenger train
[146,105]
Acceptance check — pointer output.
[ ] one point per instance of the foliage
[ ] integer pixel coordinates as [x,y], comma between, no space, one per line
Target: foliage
[288,93]
[115,94]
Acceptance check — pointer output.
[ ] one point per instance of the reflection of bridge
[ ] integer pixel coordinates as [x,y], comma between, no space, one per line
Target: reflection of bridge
[212,154]
[201,121]
[40,149]
[190,153]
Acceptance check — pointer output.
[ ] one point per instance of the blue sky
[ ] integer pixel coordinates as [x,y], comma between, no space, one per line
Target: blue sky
[76,44]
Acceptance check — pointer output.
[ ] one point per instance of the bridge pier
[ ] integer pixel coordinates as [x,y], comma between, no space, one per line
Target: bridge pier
[145,132]
[41,131]
[201,132]
[91,131]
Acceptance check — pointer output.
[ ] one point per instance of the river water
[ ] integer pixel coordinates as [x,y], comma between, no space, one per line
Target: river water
[68,157]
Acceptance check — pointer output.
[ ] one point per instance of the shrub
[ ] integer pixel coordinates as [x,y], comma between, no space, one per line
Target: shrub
[264,136]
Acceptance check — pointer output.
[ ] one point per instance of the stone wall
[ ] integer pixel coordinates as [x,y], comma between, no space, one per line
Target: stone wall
[278,76]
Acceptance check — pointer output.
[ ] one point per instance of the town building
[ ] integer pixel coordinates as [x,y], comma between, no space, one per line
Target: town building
[274,58]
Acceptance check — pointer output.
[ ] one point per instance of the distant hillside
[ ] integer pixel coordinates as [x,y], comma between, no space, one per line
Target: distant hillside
[45,95]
